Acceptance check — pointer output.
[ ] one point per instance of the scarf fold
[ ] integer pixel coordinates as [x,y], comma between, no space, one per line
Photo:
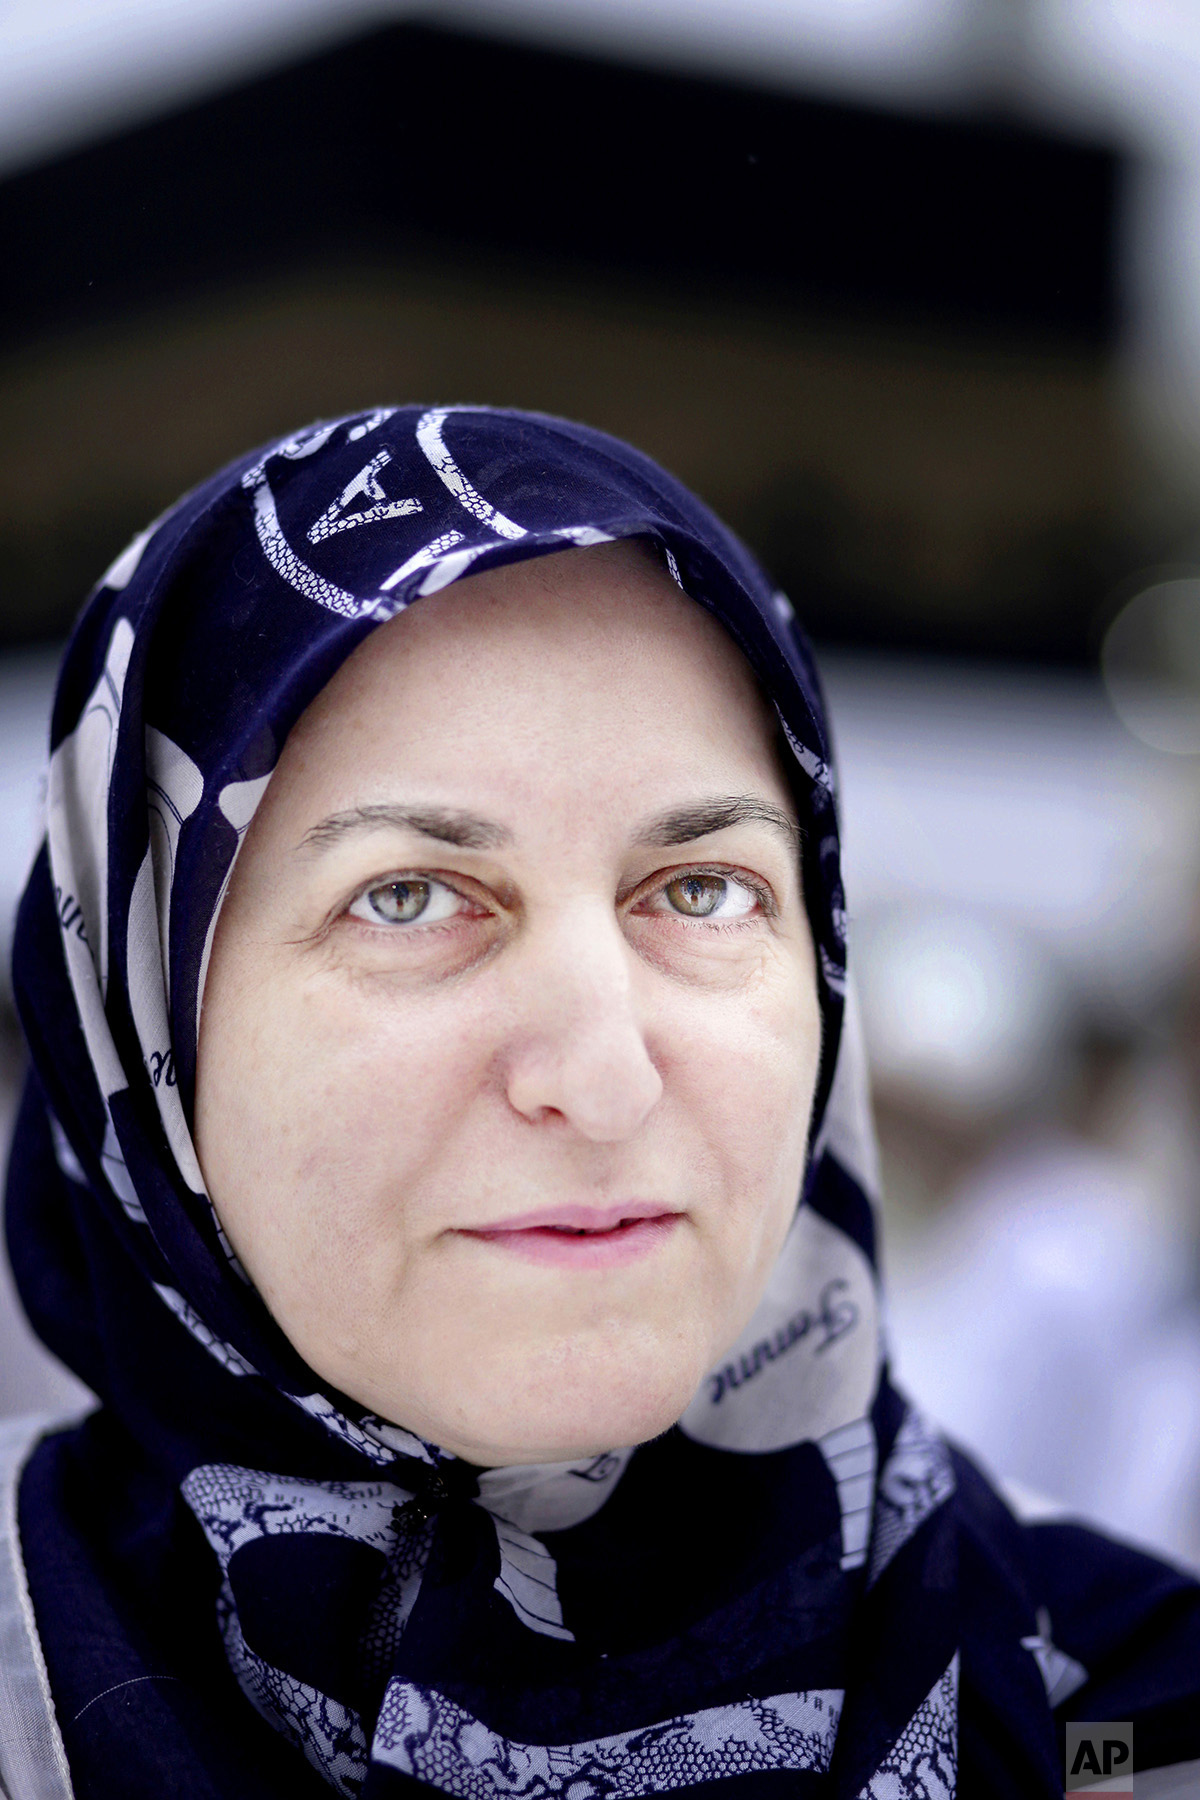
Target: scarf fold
[771,1590]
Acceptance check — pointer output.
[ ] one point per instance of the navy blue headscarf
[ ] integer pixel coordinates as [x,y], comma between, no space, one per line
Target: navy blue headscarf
[247,1585]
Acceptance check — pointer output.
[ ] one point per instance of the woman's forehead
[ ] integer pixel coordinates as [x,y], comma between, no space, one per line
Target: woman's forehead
[600,602]
[577,700]
[562,653]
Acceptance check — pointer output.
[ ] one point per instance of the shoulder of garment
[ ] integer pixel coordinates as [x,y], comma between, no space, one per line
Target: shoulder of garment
[1115,1636]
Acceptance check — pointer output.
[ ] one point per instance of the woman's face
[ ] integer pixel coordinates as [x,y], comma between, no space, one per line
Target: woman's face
[510,1029]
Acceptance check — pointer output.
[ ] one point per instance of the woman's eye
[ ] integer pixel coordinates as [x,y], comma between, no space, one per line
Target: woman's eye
[710,897]
[407,900]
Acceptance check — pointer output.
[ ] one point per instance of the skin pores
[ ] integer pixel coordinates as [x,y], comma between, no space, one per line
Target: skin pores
[510,1030]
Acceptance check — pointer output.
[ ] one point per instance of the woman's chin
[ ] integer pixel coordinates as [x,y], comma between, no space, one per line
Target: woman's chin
[582,1418]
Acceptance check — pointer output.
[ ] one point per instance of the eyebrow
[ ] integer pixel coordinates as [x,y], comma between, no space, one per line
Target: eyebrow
[468,831]
[683,824]
[448,824]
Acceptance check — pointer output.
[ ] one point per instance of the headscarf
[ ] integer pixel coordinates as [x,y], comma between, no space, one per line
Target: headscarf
[773,1589]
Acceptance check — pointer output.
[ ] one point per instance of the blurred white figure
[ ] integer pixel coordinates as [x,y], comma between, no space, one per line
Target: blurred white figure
[1017,798]
[1046,1312]
[1048,1320]
[1020,867]
[960,1006]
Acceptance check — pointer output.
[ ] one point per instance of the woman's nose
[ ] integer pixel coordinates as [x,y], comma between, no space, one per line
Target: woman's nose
[580,1048]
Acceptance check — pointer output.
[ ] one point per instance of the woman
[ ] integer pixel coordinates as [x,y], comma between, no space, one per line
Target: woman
[480,1288]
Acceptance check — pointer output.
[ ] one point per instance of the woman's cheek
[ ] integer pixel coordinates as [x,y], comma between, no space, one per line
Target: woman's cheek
[381,1081]
[765,1099]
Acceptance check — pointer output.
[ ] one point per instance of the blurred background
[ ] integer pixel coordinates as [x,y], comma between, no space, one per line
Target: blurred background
[909,290]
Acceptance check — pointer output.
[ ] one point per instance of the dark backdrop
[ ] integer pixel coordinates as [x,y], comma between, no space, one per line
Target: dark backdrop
[880,343]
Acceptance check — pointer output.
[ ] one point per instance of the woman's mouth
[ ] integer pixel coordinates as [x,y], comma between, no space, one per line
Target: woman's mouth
[583,1237]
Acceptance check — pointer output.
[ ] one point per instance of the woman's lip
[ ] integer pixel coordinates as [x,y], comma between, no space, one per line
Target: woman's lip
[579,1218]
[583,1237]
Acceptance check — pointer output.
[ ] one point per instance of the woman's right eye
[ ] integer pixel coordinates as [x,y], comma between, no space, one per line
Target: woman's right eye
[407,900]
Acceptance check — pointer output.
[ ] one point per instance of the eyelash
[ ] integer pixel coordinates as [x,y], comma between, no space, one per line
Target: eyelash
[754,885]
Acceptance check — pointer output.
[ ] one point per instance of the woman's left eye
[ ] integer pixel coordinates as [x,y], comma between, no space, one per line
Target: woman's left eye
[706,896]
[407,900]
